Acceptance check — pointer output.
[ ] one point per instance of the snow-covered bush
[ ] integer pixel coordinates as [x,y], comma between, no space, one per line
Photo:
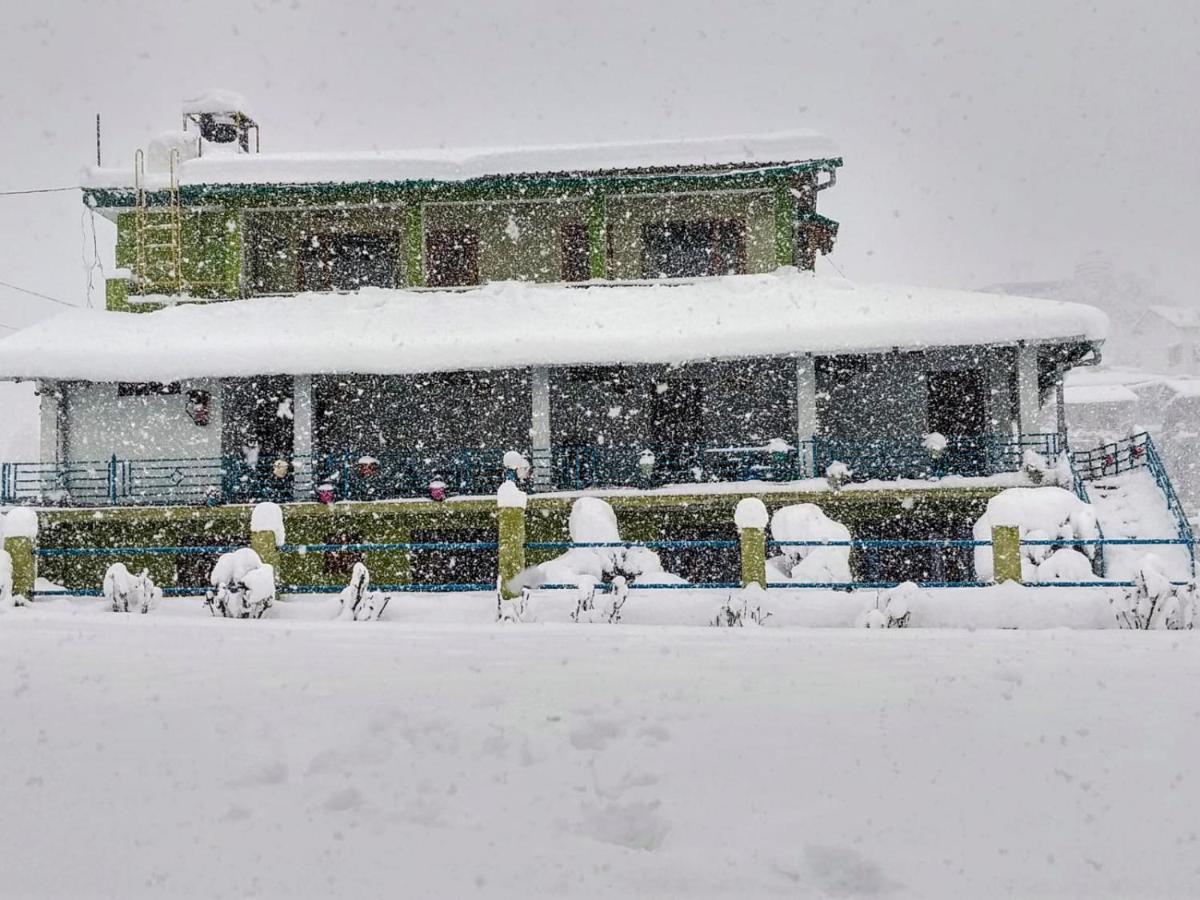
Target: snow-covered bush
[243,586]
[1153,602]
[125,591]
[593,521]
[606,607]
[359,602]
[1035,466]
[744,606]
[517,463]
[892,608]
[935,444]
[837,474]
[1043,514]
[811,565]
[512,609]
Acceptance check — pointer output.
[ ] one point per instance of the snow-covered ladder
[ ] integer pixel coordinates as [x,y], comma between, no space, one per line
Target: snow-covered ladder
[158,236]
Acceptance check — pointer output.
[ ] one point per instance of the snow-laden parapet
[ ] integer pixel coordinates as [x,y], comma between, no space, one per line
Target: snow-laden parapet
[1041,514]
[514,324]
[593,521]
[21,522]
[808,564]
[268,516]
[509,496]
[750,513]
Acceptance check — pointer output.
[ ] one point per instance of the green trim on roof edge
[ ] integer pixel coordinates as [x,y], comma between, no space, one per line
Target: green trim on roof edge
[497,187]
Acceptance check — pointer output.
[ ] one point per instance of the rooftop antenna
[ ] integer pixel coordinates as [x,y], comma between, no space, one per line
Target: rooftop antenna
[97,140]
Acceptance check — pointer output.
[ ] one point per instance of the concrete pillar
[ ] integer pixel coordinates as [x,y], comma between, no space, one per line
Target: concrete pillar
[20,539]
[1006,553]
[52,440]
[510,536]
[267,534]
[1061,414]
[539,430]
[302,438]
[806,413]
[1028,397]
[751,520]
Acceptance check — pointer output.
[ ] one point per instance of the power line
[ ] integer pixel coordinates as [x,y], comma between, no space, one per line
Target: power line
[53,190]
[17,287]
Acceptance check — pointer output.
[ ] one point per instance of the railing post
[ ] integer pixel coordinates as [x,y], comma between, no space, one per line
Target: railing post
[112,480]
[751,519]
[510,533]
[20,539]
[267,534]
[1006,553]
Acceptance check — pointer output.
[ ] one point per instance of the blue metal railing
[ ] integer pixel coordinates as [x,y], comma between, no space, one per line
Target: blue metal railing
[873,577]
[1135,452]
[397,474]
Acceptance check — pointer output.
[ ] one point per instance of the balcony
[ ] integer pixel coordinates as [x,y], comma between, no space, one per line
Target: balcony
[409,474]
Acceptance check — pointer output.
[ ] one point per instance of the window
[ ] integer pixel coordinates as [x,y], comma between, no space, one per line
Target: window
[452,257]
[347,262]
[574,241]
[693,249]
[146,388]
[1175,354]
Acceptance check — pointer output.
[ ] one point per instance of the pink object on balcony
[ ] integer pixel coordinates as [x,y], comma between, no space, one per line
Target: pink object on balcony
[437,490]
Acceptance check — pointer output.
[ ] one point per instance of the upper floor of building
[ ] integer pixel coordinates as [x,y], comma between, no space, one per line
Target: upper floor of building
[201,215]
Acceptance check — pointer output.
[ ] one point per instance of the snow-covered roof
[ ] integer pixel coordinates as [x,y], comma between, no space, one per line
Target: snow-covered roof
[1179,316]
[216,100]
[1090,394]
[509,324]
[462,164]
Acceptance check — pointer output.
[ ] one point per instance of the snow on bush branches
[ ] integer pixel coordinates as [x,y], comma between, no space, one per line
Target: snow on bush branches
[125,591]
[1154,602]
[1041,514]
[243,586]
[359,603]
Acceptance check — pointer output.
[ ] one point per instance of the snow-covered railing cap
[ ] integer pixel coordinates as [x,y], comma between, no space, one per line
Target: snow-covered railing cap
[509,496]
[268,516]
[750,513]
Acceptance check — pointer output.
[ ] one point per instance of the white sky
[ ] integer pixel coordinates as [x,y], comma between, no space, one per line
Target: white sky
[983,141]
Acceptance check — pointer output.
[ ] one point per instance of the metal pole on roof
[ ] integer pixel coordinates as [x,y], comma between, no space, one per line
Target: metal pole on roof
[97,140]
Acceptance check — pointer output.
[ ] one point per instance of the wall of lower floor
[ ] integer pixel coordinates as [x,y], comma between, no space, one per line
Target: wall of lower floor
[920,514]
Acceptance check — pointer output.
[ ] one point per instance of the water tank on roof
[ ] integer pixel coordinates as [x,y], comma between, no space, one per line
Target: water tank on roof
[222,120]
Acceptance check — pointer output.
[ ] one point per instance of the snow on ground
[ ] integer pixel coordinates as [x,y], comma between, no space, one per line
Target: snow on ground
[174,755]
[1130,505]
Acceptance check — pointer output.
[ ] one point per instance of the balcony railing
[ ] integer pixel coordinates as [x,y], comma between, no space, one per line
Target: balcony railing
[390,475]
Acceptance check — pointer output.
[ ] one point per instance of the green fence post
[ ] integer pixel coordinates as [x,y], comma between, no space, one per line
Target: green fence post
[510,503]
[20,538]
[751,520]
[266,534]
[1006,553]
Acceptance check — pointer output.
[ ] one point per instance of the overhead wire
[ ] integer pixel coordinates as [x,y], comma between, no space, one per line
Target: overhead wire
[32,293]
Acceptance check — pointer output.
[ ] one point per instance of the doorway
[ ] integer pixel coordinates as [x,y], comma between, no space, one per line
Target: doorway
[957,408]
[257,438]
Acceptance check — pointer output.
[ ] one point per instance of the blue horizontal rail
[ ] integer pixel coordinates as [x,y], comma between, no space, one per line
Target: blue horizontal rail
[131,551]
[368,548]
[653,545]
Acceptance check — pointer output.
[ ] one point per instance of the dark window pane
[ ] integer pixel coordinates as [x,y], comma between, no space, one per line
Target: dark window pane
[452,257]
[575,265]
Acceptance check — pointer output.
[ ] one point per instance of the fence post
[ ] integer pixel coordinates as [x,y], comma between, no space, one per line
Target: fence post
[20,538]
[510,514]
[267,534]
[1006,553]
[751,520]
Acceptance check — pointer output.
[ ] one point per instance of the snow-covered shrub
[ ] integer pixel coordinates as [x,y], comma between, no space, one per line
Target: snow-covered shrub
[935,444]
[359,602]
[606,607]
[243,586]
[125,591]
[892,608]
[512,609]
[1035,466]
[517,463]
[1153,602]
[592,521]
[811,565]
[744,606]
[837,474]
[1045,514]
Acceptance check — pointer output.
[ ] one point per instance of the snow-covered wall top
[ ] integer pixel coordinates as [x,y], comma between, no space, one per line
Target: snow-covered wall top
[466,163]
[509,324]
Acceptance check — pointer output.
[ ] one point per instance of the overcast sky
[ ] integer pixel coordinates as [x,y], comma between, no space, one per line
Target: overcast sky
[983,141]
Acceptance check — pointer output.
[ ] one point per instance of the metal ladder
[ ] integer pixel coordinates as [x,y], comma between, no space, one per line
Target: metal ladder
[158,236]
